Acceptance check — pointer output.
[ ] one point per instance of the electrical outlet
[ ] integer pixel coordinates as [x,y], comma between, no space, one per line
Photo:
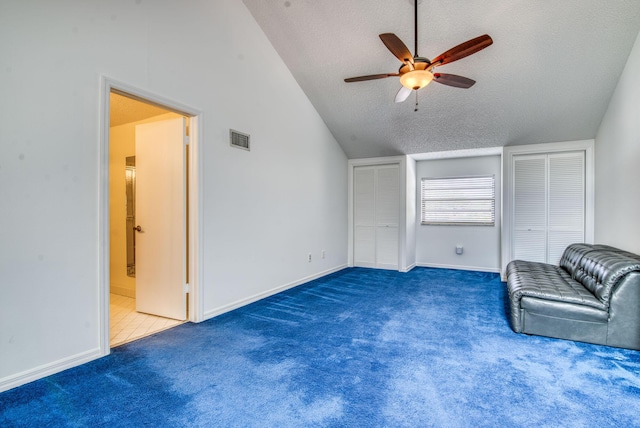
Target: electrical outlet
[309,258]
[323,254]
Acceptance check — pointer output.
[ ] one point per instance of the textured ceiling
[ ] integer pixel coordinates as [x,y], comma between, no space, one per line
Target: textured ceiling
[547,77]
[126,110]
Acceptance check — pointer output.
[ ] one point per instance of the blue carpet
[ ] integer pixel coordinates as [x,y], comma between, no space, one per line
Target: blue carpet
[359,348]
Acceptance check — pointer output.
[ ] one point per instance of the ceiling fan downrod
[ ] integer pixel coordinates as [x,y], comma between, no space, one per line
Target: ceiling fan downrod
[415,33]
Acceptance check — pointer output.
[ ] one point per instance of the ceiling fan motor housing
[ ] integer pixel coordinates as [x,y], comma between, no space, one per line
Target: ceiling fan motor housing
[419,63]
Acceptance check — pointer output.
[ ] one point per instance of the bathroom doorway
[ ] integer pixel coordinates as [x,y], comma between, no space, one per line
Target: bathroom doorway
[148,214]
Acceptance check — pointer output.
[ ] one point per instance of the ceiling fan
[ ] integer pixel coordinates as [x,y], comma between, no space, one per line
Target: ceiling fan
[416,72]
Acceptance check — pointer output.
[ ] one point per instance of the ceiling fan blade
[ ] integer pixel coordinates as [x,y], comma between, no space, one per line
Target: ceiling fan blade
[395,45]
[370,77]
[464,49]
[402,94]
[453,80]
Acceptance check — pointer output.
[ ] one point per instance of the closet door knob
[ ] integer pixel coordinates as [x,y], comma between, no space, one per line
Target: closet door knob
[138,228]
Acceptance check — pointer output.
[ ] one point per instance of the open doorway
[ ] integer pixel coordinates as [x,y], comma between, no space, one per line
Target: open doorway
[189,304]
[147,185]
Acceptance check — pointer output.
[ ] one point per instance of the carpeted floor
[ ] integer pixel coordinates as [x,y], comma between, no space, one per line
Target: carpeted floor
[359,348]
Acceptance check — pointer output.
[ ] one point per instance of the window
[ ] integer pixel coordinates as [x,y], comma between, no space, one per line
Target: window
[459,201]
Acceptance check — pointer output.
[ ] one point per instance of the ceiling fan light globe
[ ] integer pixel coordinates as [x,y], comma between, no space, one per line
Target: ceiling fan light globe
[416,79]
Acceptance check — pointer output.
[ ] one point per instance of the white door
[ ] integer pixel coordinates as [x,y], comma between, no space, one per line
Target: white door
[364,217]
[529,208]
[566,216]
[161,215]
[387,216]
[548,205]
[376,216]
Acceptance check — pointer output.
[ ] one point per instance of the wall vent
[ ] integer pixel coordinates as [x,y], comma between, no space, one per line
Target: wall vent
[239,140]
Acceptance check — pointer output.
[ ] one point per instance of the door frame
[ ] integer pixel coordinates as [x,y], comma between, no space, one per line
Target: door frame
[194,192]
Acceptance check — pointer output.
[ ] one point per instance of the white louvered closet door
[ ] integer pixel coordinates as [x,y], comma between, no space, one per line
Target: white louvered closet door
[529,208]
[566,203]
[376,191]
[387,216]
[364,216]
[548,205]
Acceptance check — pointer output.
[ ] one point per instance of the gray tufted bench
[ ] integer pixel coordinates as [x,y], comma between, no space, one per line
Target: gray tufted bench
[592,296]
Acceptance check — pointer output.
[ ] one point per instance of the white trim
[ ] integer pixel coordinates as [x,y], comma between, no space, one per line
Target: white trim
[350,175]
[408,268]
[107,85]
[458,267]
[562,146]
[103,216]
[48,369]
[507,164]
[196,172]
[463,153]
[410,215]
[402,215]
[389,160]
[251,299]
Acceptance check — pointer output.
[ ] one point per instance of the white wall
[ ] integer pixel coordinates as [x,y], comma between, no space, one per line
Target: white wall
[264,210]
[436,245]
[617,167]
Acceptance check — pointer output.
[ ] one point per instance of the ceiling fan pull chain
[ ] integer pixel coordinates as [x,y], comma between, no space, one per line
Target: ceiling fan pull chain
[416,109]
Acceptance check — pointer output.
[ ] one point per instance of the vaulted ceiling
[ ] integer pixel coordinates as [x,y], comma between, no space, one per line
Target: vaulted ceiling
[548,76]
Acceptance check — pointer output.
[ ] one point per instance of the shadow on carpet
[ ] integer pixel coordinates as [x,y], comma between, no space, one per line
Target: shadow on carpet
[358,348]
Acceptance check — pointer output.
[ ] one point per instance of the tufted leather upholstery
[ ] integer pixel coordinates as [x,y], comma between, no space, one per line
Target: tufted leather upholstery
[602,269]
[572,256]
[574,300]
[547,282]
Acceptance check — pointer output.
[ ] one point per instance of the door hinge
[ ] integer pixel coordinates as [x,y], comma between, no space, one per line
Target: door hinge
[187,289]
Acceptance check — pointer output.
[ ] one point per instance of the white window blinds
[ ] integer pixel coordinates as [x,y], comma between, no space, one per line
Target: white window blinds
[458,201]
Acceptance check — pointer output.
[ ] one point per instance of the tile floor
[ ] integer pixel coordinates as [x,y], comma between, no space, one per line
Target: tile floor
[127,324]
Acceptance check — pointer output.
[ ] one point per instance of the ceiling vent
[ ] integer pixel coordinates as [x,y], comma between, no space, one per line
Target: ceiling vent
[239,140]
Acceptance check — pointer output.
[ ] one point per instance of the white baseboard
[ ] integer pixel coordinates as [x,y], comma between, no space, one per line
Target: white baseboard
[408,268]
[471,268]
[44,370]
[243,302]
